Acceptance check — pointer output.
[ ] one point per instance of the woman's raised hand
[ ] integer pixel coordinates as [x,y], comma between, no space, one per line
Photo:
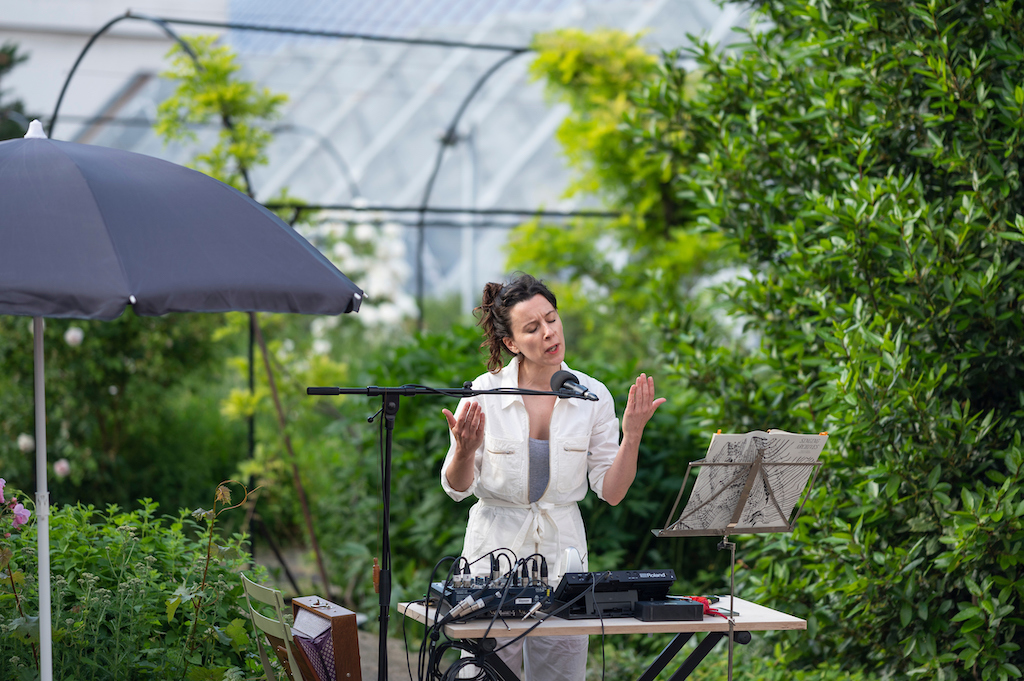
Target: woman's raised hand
[468,428]
[640,406]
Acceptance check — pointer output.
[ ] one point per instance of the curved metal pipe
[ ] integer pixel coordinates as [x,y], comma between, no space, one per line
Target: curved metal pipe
[449,139]
[95,36]
[328,146]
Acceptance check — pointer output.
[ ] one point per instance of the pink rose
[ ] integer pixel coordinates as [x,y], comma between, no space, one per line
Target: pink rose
[21,515]
[2,483]
[61,468]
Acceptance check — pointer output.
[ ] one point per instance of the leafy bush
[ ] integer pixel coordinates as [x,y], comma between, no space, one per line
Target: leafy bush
[863,162]
[134,595]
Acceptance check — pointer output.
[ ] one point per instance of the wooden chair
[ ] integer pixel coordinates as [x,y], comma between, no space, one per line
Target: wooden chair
[277,631]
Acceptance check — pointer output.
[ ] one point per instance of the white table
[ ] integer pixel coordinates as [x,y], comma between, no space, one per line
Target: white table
[751,617]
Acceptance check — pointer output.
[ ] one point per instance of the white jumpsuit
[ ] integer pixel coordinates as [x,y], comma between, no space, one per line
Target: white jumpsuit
[584,439]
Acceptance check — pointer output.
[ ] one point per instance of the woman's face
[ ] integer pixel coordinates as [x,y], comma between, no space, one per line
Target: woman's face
[537,332]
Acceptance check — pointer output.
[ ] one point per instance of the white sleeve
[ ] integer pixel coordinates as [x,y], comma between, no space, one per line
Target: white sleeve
[478,459]
[604,441]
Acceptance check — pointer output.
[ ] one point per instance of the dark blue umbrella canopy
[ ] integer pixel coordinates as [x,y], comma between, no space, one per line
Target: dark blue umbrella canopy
[86,230]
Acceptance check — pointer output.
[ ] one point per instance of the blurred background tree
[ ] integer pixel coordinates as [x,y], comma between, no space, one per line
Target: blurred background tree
[13,120]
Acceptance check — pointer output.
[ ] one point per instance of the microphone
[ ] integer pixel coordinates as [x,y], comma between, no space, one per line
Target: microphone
[566,382]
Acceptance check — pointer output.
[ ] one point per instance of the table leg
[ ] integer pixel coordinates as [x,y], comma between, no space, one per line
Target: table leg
[671,650]
[702,649]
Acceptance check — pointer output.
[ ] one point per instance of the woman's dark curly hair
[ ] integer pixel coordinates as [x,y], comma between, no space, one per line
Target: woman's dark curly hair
[495,306]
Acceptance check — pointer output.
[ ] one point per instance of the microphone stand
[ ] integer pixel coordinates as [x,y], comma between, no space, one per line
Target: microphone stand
[390,398]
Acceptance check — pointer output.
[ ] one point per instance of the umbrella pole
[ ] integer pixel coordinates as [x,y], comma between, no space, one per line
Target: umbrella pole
[42,507]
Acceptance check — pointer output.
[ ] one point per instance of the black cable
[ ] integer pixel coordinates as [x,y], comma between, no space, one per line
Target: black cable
[504,595]
[420,665]
[600,615]
[457,392]
[405,638]
[592,589]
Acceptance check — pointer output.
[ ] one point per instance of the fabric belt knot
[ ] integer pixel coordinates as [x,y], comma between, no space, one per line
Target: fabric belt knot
[534,527]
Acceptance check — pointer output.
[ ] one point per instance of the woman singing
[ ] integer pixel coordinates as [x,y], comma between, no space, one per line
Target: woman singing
[529,459]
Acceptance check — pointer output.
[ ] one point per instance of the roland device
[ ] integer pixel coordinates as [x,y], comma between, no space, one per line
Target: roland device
[612,593]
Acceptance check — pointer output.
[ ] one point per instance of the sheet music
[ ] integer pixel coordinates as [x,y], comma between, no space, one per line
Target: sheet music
[308,624]
[718,489]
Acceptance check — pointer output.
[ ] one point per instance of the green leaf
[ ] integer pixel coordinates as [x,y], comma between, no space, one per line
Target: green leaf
[966,614]
[172,607]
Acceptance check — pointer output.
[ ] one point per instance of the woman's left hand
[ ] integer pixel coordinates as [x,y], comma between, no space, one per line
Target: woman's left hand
[640,406]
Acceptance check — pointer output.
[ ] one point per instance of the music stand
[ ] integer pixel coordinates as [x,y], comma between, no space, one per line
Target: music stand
[749,483]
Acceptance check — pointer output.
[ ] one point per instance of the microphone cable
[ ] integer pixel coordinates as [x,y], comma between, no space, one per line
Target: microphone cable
[591,589]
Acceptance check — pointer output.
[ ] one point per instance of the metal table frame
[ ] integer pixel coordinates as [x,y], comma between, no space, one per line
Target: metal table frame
[752,617]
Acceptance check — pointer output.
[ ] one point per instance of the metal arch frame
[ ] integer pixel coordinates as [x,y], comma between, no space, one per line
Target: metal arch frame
[328,147]
[161,23]
[449,138]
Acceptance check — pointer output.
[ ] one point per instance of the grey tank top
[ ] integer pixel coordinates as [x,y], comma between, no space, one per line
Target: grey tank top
[540,456]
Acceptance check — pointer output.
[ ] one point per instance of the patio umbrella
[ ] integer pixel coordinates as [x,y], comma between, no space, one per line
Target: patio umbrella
[86,230]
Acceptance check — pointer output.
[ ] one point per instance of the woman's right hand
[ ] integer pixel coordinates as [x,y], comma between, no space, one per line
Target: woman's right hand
[467,429]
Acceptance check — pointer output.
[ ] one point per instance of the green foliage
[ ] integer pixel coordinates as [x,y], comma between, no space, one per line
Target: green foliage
[425,523]
[863,161]
[608,272]
[131,407]
[134,596]
[208,89]
[12,113]
[593,72]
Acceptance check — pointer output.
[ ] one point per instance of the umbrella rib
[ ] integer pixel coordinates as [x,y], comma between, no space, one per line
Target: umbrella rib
[106,229]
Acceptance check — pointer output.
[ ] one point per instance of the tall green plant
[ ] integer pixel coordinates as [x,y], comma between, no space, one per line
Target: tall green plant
[606,273]
[135,595]
[209,89]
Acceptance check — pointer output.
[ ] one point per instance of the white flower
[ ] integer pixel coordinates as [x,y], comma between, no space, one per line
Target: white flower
[112,390]
[365,232]
[381,281]
[26,443]
[368,315]
[61,468]
[391,248]
[342,251]
[407,305]
[73,336]
[390,315]
[318,326]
